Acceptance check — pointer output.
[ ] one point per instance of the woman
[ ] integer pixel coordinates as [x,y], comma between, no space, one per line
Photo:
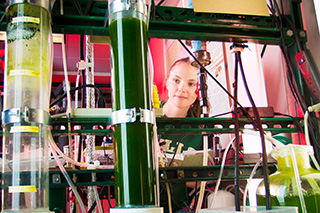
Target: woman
[181,84]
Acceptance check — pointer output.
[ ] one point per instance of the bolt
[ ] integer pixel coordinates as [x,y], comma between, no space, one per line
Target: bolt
[302,34]
[56,178]
[289,33]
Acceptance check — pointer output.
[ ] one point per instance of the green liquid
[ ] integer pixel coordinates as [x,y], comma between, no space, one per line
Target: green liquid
[134,174]
[312,202]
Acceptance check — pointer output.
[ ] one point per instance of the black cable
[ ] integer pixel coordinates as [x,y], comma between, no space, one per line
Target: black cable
[237,135]
[264,153]
[175,150]
[297,96]
[213,78]
[218,115]
[290,73]
[81,47]
[77,88]
[83,81]
[314,125]
[219,84]
[160,2]
[263,50]
[95,202]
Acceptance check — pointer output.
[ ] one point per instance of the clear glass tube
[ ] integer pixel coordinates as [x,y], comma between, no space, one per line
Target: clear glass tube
[27,84]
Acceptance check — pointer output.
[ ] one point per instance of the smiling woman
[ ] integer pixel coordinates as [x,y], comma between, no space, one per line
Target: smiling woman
[181,84]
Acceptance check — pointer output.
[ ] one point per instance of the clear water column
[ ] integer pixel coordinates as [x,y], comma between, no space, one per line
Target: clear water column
[132,113]
[27,84]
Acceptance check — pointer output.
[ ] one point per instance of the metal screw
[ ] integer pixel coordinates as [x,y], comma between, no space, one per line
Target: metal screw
[180,174]
[302,34]
[289,33]
[56,178]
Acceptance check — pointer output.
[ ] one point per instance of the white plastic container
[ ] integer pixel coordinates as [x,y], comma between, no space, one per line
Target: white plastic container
[223,199]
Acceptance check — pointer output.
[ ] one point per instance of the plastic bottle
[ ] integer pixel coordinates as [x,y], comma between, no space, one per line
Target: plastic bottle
[293,167]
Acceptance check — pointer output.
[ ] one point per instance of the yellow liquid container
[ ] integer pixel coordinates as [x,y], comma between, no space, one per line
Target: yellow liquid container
[25,165]
[295,183]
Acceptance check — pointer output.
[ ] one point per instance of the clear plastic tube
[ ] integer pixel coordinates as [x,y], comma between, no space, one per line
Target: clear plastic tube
[68,179]
[306,134]
[96,195]
[26,104]
[56,148]
[298,180]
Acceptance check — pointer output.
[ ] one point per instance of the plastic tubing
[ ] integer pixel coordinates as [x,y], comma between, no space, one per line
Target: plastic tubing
[306,134]
[96,195]
[221,171]
[66,176]
[56,148]
[250,178]
[205,163]
[275,142]
[76,93]
[156,157]
[298,180]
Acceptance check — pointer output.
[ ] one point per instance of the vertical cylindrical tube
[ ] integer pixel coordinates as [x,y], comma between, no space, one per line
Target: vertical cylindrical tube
[27,83]
[134,168]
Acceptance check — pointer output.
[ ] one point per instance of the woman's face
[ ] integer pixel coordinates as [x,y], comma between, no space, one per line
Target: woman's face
[182,85]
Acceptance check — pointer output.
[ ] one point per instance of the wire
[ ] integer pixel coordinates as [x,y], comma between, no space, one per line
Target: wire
[100,197]
[219,84]
[77,88]
[263,50]
[264,154]
[236,128]
[175,150]
[2,17]
[306,133]
[64,172]
[160,2]
[78,6]
[221,171]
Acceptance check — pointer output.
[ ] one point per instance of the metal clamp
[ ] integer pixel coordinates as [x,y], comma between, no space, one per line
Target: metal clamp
[146,116]
[25,114]
[123,116]
[130,116]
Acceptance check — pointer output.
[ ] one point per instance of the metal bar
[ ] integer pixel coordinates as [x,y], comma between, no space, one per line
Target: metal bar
[185,125]
[174,174]
[174,23]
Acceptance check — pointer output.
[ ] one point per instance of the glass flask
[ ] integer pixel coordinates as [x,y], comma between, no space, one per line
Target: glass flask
[293,167]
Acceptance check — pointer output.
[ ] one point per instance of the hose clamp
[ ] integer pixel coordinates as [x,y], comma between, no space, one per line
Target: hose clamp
[130,116]
[25,114]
